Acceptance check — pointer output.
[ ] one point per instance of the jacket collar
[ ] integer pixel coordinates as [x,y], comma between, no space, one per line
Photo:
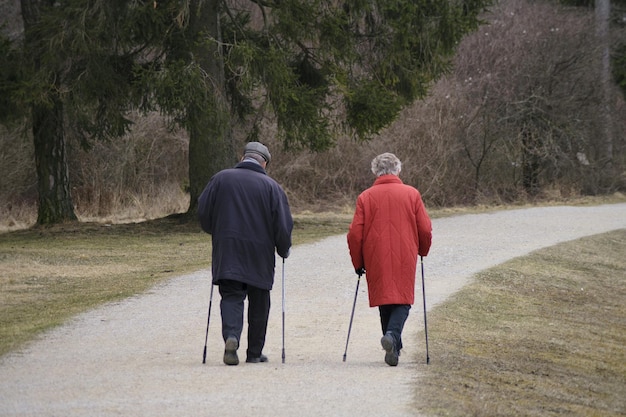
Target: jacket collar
[252,166]
[388,179]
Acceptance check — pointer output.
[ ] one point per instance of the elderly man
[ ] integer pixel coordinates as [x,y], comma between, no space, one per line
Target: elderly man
[248,215]
[389,230]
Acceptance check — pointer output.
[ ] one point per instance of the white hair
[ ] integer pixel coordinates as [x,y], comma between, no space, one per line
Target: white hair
[386,163]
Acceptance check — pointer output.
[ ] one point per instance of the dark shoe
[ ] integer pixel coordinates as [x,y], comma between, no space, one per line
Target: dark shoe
[391,355]
[261,358]
[230,351]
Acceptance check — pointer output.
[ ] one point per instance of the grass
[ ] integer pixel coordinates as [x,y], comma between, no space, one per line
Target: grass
[542,335]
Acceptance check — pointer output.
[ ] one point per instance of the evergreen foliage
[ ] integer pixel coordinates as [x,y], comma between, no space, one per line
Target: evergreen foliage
[312,61]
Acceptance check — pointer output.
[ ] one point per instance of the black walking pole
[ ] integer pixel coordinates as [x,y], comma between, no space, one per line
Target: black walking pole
[358,281]
[424,298]
[206,337]
[283,310]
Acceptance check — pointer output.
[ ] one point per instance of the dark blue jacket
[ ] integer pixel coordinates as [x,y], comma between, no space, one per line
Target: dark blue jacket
[247,214]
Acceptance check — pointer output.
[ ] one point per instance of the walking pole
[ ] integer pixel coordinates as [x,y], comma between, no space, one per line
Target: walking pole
[206,337]
[358,281]
[283,310]
[424,298]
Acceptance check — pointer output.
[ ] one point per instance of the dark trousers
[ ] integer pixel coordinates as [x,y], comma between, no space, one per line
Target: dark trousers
[233,295]
[392,319]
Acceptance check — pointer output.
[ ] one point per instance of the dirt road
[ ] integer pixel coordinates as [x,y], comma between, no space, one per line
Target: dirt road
[143,356]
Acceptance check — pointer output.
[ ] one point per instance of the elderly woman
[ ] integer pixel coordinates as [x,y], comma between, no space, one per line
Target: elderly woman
[389,230]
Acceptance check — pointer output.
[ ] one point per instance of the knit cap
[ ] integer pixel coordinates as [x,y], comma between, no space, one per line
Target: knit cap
[259,149]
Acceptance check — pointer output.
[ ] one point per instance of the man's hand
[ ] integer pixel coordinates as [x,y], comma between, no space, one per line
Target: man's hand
[360,271]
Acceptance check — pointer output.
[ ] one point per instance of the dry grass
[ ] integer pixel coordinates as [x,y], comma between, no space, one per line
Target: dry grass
[49,274]
[542,335]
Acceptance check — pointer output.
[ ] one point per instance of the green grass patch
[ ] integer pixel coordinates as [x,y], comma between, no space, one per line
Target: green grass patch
[541,335]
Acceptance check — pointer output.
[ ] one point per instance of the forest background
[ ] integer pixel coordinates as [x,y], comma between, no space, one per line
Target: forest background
[523,115]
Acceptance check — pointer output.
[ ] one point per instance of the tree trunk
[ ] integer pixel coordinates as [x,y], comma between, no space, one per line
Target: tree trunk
[603,11]
[530,162]
[53,184]
[210,139]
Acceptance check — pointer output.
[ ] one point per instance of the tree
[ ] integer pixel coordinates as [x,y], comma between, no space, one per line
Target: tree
[615,13]
[317,68]
[187,82]
[69,73]
[611,67]
[530,89]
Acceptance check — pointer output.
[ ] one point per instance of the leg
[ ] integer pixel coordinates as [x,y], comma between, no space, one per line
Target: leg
[393,318]
[258,314]
[385,314]
[388,341]
[233,294]
[397,318]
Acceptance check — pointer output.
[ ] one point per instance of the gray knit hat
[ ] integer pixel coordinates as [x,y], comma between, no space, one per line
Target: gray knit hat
[259,149]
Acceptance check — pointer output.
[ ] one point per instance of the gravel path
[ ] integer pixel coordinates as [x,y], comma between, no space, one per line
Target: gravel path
[142,356]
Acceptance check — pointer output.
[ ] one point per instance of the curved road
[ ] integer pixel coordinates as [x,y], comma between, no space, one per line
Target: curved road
[142,356]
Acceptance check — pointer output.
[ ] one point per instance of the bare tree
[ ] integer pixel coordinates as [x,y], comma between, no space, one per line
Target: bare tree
[531,93]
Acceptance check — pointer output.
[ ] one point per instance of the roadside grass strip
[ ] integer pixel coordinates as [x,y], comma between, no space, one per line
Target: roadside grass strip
[540,335]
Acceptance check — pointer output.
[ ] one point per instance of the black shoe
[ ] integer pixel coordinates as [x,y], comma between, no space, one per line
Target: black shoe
[261,358]
[391,355]
[230,351]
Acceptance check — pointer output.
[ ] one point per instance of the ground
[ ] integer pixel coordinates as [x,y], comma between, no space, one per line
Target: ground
[143,356]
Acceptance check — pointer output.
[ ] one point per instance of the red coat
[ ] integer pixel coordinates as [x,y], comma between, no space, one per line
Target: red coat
[389,230]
